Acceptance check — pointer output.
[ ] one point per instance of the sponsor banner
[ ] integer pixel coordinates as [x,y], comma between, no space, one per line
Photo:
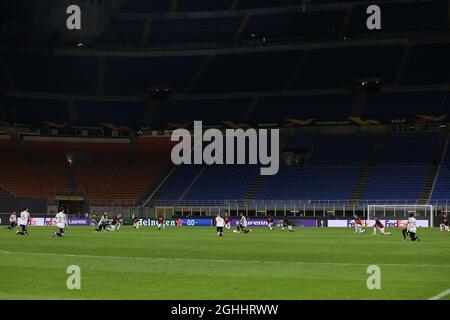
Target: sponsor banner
[208,222]
[263,222]
[35,222]
[369,223]
[195,222]
[43,222]
[71,222]
[181,222]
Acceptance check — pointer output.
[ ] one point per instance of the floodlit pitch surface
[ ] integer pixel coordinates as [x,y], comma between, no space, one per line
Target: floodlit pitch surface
[193,263]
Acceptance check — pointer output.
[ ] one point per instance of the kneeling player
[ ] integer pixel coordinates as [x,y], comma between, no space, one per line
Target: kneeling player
[12,221]
[444,224]
[242,225]
[287,224]
[359,225]
[135,222]
[160,223]
[61,223]
[270,222]
[220,223]
[405,232]
[380,227]
[116,223]
[103,223]
[412,227]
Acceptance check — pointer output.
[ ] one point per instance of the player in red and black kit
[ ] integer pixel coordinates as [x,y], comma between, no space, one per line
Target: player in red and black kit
[116,223]
[379,226]
[359,225]
[227,220]
[135,221]
[160,223]
[270,222]
[287,224]
[444,224]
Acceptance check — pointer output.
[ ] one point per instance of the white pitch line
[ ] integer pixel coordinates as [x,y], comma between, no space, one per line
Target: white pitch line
[220,260]
[440,295]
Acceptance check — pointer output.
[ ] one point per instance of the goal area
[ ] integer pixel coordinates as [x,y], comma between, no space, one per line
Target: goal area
[400,211]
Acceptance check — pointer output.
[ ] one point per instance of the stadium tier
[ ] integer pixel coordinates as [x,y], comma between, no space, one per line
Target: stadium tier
[330,173]
[102,170]
[325,68]
[441,190]
[224,21]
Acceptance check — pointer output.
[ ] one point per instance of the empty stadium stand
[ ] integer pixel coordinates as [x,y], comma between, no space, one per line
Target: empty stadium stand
[331,173]
[441,188]
[100,167]
[403,168]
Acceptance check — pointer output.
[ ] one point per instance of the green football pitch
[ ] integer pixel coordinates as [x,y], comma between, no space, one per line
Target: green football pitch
[185,263]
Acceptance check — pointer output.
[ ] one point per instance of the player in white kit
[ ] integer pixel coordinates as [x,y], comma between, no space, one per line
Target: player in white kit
[412,227]
[220,224]
[61,222]
[12,221]
[24,219]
